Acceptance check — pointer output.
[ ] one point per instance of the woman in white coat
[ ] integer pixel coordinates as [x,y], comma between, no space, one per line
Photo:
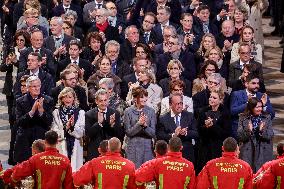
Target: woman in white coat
[69,123]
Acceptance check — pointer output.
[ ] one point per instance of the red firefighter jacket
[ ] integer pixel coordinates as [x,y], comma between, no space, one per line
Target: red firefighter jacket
[107,172]
[51,170]
[225,172]
[170,172]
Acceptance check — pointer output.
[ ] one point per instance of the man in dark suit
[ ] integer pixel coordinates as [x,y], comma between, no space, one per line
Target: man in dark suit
[236,68]
[180,123]
[37,46]
[168,32]
[57,42]
[101,25]
[69,79]
[33,118]
[139,64]
[34,62]
[163,16]
[147,34]
[175,6]
[240,98]
[128,48]
[174,50]
[75,48]
[64,7]
[102,123]
[118,66]
[114,19]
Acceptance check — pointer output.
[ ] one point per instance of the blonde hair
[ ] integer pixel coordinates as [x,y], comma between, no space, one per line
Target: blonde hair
[206,55]
[173,62]
[63,94]
[31,11]
[200,50]
[150,74]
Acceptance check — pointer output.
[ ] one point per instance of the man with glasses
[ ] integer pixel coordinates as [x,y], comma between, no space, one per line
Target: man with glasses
[70,79]
[89,9]
[178,123]
[173,50]
[114,19]
[240,98]
[236,68]
[147,34]
[101,25]
[33,118]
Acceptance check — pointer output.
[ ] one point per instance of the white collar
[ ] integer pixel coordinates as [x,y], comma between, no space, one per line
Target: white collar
[36,73]
[34,49]
[68,7]
[174,115]
[166,24]
[72,61]
[250,94]
[243,63]
[105,111]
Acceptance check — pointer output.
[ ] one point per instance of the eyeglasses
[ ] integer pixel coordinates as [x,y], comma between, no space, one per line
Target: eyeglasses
[99,16]
[70,79]
[213,82]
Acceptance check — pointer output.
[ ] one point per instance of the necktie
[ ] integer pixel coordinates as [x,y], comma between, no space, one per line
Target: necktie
[205,28]
[99,6]
[75,62]
[66,9]
[57,38]
[113,68]
[36,51]
[146,37]
[177,120]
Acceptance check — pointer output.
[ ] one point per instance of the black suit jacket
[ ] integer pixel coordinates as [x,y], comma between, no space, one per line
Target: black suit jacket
[47,83]
[30,128]
[48,67]
[85,64]
[59,10]
[159,34]
[50,44]
[152,38]
[97,133]
[131,78]
[80,93]
[198,27]
[166,127]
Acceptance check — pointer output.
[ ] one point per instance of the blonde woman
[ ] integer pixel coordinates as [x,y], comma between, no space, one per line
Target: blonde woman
[69,123]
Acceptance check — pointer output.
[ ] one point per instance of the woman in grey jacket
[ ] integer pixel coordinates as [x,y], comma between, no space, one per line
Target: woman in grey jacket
[140,127]
[255,135]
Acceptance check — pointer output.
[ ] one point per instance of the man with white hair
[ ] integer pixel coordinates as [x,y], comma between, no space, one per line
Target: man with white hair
[89,9]
[101,25]
[33,118]
[58,41]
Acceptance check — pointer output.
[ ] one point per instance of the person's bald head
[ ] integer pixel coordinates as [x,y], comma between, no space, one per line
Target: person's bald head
[114,144]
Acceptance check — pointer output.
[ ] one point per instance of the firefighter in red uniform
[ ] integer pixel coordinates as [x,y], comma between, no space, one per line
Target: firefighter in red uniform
[109,171]
[172,171]
[37,147]
[161,148]
[271,174]
[51,169]
[227,171]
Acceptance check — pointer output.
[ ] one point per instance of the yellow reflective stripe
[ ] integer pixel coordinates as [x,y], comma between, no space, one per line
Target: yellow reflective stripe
[187,180]
[161,181]
[38,175]
[278,182]
[241,183]
[215,182]
[62,179]
[125,181]
[100,181]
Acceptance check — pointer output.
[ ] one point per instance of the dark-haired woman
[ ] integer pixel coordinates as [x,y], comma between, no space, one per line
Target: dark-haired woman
[255,135]
[140,127]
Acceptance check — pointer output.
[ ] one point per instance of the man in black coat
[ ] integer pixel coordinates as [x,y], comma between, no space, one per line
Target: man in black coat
[147,34]
[236,68]
[34,62]
[180,123]
[37,46]
[175,51]
[33,118]
[57,42]
[69,79]
[75,48]
[102,26]
[102,123]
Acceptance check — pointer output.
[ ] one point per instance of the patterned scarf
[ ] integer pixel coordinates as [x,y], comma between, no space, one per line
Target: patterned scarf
[65,113]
